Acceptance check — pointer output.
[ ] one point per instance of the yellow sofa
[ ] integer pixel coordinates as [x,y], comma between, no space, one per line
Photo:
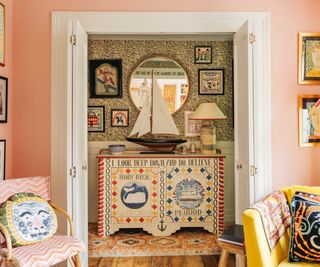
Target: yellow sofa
[257,250]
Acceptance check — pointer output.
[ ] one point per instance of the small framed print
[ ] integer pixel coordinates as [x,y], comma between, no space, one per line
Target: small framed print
[211,81]
[119,117]
[105,78]
[2,159]
[309,58]
[96,115]
[309,120]
[202,54]
[191,127]
[3,99]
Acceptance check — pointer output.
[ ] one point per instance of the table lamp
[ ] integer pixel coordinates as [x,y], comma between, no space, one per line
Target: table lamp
[208,112]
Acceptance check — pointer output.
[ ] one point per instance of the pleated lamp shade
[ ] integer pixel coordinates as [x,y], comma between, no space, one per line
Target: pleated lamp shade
[208,111]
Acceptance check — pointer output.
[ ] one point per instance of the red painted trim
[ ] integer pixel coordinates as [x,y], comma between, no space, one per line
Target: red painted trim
[101,195]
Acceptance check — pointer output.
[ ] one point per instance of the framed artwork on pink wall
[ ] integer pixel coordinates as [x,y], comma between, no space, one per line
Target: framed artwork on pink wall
[309,58]
[2,34]
[2,159]
[309,120]
[3,99]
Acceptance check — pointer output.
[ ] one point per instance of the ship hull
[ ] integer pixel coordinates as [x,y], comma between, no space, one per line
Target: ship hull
[157,144]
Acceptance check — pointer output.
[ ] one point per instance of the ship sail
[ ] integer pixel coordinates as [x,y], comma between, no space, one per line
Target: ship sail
[142,125]
[162,122]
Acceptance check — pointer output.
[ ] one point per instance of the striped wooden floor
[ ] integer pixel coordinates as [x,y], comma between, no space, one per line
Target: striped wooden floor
[176,261]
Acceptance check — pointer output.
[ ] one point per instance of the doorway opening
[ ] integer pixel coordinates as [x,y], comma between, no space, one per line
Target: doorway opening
[64,185]
[133,49]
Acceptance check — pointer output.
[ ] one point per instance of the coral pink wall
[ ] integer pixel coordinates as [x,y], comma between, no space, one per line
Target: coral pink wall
[6,129]
[32,32]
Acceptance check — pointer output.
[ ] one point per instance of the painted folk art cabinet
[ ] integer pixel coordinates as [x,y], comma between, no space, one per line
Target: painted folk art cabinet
[160,193]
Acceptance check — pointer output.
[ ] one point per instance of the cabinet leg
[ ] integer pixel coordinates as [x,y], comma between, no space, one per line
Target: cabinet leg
[223,258]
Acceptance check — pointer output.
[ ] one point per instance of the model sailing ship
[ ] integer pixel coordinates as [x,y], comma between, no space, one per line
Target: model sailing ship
[156,119]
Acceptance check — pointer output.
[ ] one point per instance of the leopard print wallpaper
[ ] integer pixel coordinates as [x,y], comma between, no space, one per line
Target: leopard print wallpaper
[133,51]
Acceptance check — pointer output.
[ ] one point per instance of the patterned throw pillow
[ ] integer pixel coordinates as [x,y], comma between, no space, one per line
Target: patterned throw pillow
[28,218]
[305,228]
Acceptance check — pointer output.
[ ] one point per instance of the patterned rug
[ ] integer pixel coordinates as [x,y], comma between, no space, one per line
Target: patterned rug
[136,242]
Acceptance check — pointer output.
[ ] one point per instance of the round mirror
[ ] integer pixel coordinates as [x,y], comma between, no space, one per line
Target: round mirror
[169,75]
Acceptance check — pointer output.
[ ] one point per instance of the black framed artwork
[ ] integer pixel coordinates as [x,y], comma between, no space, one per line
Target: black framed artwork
[211,81]
[119,117]
[96,119]
[105,78]
[203,54]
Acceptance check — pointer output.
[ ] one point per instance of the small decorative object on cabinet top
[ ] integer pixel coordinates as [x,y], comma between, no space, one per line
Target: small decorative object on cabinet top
[117,149]
[309,120]
[105,78]
[309,58]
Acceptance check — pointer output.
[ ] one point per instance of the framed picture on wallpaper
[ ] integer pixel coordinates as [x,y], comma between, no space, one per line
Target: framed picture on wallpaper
[2,159]
[211,81]
[191,127]
[309,58]
[2,34]
[96,115]
[119,117]
[105,78]
[3,99]
[202,54]
[309,120]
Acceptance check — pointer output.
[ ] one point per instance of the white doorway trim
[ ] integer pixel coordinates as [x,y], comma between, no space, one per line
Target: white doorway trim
[155,23]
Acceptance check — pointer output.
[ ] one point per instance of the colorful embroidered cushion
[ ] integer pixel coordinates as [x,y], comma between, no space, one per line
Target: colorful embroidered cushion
[275,215]
[305,228]
[28,218]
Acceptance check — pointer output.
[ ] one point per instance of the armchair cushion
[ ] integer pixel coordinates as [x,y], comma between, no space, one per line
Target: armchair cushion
[47,253]
[305,227]
[28,219]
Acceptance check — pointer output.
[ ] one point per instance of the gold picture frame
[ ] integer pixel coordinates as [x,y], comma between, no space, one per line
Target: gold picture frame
[2,34]
[309,120]
[308,58]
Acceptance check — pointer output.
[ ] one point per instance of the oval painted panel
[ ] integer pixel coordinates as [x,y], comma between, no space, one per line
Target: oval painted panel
[134,195]
[189,194]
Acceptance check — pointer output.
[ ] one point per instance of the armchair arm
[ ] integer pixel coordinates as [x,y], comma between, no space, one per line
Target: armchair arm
[61,210]
[8,241]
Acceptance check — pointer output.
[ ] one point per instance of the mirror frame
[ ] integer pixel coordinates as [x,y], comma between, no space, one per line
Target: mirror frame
[164,57]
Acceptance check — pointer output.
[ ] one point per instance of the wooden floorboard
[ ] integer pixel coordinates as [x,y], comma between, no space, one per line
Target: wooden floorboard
[157,261]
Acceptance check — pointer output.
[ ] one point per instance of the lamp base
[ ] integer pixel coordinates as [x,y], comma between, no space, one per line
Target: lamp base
[208,138]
